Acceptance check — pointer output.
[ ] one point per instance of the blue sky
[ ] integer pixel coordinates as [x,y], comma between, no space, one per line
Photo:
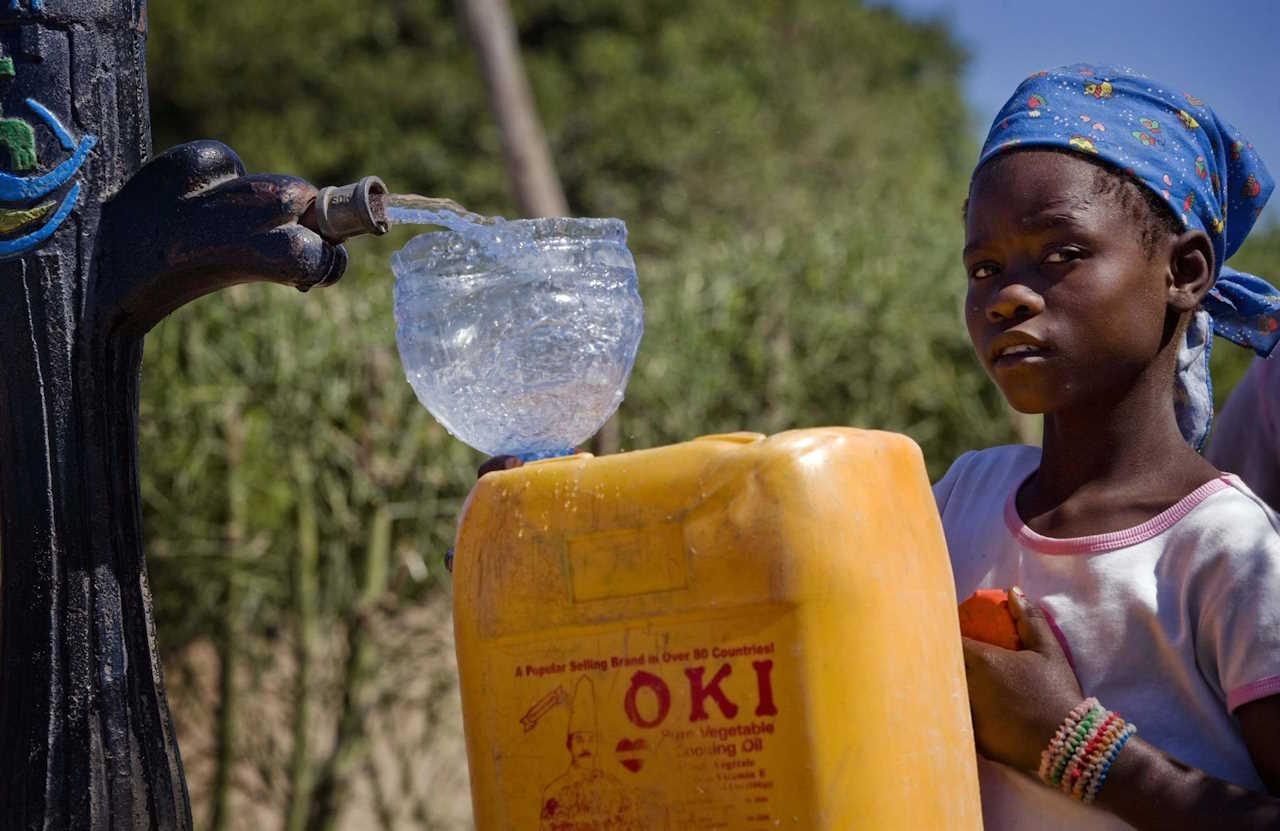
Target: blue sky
[1224,51]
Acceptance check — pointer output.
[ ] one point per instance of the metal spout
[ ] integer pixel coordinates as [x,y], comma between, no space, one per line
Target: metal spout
[349,210]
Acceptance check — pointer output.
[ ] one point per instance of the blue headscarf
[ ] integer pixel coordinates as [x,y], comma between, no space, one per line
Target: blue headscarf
[1172,143]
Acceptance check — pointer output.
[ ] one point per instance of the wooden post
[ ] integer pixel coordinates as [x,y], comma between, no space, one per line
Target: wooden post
[94,250]
[530,167]
[529,164]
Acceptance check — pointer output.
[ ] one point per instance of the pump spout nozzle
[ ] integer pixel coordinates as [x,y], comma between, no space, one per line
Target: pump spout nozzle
[349,210]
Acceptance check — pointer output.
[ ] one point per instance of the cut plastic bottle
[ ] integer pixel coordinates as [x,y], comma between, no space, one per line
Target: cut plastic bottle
[518,337]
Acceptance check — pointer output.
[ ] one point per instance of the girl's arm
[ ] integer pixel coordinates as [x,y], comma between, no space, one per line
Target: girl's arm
[1147,788]
[1260,723]
[1019,699]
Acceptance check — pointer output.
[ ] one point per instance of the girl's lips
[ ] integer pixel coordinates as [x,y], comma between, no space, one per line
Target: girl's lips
[1016,347]
[1020,355]
[1018,352]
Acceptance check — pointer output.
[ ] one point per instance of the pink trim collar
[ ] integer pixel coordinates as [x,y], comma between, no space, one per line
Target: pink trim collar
[1098,543]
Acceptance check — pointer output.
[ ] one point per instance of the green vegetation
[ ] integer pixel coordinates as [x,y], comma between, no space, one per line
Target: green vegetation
[791,173]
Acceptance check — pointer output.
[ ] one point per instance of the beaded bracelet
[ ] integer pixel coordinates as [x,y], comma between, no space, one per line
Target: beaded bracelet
[1050,754]
[1096,739]
[1092,777]
[1092,793]
[1083,749]
[1074,743]
[1103,738]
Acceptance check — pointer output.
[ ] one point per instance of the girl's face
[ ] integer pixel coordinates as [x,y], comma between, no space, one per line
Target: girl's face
[1064,305]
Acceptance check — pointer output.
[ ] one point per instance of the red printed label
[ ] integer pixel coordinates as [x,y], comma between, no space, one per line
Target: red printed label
[684,728]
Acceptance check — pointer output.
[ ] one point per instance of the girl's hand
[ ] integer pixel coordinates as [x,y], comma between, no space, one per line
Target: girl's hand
[1018,699]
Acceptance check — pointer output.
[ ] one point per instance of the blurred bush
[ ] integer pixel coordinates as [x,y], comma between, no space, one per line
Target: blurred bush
[791,174]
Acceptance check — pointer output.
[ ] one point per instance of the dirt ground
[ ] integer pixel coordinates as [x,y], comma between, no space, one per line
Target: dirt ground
[411,775]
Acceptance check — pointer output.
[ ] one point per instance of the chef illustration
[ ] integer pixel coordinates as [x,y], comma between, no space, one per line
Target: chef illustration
[584,797]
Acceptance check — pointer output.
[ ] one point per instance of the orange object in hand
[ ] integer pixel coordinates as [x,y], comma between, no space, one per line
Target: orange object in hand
[985,617]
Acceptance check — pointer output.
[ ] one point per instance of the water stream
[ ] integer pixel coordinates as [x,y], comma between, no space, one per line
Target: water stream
[412,209]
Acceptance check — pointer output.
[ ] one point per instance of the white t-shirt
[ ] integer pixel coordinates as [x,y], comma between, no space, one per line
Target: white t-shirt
[1173,623]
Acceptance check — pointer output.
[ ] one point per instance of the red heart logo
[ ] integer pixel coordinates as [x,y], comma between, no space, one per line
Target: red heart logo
[631,752]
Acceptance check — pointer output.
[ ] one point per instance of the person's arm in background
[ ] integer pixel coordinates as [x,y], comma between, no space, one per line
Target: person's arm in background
[1244,440]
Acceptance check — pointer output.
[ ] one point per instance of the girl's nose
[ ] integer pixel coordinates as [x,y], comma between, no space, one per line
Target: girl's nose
[1014,301]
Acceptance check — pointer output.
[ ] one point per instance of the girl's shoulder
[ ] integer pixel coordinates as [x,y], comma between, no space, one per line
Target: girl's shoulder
[1224,560]
[1223,554]
[1230,521]
[988,476]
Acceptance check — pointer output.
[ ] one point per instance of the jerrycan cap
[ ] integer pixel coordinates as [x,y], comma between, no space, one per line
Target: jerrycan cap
[741,437]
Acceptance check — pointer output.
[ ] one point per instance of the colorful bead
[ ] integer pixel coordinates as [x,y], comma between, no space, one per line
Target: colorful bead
[1113,751]
[1049,756]
[1076,740]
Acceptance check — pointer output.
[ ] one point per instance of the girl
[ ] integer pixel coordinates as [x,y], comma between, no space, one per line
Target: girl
[1099,216]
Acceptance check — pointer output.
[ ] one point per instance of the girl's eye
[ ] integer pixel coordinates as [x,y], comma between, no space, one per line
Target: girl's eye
[982,271]
[1062,255]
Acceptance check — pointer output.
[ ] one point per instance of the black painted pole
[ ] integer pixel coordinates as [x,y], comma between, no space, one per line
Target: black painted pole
[95,248]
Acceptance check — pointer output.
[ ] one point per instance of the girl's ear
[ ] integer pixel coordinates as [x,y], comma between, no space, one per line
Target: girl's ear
[1190,269]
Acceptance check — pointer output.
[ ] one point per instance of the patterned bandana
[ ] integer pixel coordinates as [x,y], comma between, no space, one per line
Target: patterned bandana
[1171,142]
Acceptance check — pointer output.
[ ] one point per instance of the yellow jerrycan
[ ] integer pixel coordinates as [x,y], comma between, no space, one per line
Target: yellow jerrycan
[736,632]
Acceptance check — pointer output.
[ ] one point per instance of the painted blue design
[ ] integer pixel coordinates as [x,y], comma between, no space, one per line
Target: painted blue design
[35,4]
[28,189]
[64,138]
[19,245]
